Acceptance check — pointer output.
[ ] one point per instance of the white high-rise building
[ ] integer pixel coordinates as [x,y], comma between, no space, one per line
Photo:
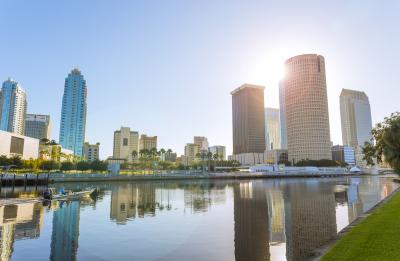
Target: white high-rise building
[125,142]
[12,107]
[355,113]
[282,115]
[272,129]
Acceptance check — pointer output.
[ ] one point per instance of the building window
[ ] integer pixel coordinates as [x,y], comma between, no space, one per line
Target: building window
[125,142]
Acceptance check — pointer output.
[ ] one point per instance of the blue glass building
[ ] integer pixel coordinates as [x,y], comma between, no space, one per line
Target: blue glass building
[73,113]
[12,107]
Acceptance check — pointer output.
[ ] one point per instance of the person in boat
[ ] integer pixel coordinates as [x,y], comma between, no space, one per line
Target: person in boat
[62,191]
[47,194]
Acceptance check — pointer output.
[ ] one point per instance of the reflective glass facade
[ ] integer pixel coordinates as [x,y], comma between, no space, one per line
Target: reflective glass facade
[73,113]
[12,107]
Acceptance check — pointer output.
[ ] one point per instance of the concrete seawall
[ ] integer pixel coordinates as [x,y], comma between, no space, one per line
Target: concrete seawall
[236,175]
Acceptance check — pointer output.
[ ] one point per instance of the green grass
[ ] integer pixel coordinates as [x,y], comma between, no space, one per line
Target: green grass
[377,237]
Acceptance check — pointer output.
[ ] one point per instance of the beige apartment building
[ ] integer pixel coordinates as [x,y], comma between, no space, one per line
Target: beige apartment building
[125,142]
[147,142]
[191,150]
[91,152]
[248,119]
[202,142]
[306,108]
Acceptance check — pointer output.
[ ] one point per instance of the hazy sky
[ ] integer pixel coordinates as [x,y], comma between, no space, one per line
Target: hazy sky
[166,68]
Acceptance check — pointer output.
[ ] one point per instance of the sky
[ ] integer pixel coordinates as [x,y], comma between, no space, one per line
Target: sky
[167,68]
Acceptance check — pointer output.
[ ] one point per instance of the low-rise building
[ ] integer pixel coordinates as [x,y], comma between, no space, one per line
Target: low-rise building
[12,144]
[219,150]
[344,154]
[169,156]
[147,142]
[91,151]
[247,159]
[276,156]
[37,126]
[53,151]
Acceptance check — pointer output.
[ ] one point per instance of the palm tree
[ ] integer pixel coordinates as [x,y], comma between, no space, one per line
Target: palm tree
[216,156]
[134,154]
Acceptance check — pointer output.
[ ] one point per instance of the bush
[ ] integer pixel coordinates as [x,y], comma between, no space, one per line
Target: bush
[83,166]
[50,165]
[67,165]
[98,165]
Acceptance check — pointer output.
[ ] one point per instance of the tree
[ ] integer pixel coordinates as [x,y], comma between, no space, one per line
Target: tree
[83,165]
[50,165]
[98,165]
[387,143]
[67,165]
[134,154]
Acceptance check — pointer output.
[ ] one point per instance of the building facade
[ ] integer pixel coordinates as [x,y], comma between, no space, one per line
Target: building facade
[13,144]
[282,115]
[91,151]
[248,119]
[73,113]
[147,142]
[202,142]
[355,113]
[13,107]
[272,129]
[191,151]
[37,126]
[219,150]
[306,108]
[125,142]
[344,154]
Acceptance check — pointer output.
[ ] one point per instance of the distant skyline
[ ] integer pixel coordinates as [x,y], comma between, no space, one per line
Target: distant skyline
[167,68]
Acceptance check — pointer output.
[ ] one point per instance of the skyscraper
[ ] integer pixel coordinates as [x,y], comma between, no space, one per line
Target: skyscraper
[306,108]
[37,126]
[355,113]
[248,119]
[282,116]
[73,113]
[12,107]
[272,129]
[125,142]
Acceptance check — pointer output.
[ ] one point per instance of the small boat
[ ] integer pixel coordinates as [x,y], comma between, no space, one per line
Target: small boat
[51,194]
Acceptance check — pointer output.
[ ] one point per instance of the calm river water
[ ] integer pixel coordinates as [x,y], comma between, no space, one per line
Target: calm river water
[271,219]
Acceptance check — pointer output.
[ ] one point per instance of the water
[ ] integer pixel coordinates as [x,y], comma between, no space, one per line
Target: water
[189,220]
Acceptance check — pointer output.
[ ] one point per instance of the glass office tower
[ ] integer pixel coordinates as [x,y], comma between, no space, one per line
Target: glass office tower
[73,113]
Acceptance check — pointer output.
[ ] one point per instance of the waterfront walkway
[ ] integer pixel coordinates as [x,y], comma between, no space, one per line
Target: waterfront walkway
[376,237]
[59,177]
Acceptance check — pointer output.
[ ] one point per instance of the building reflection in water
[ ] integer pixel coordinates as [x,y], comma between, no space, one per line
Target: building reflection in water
[251,221]
[22,221]
[203,195]
[65,232]
[132,200]
[310,218]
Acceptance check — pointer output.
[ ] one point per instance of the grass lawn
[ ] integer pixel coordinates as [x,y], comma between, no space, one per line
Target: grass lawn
[377,237]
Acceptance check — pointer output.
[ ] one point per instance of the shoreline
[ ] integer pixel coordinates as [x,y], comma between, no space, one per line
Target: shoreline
[319,252]
[62,178]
